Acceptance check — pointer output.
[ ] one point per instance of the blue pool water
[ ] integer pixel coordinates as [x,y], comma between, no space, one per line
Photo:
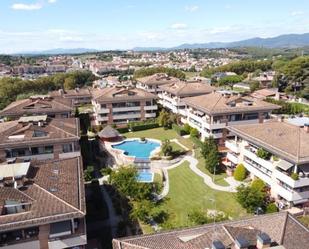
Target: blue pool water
[137,148]
[145,176]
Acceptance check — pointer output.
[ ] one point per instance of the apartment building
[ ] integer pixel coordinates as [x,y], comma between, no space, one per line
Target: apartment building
[212,113]
[78,96]
[172,95]
[275,231]
[284,165]
[42,205]
[121,105]
[40,138]
[153,82]
[53,107]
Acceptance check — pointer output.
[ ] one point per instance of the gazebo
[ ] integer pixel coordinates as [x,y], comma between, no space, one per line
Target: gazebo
[109,134]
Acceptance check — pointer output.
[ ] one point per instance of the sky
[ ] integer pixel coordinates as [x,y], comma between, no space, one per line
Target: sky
[34,25]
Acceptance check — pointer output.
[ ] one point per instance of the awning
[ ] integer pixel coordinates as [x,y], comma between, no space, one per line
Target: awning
[282,164]
[200,113]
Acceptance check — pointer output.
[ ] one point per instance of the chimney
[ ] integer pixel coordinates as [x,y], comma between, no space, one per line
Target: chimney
[263,241]
[241,243]
[217,244]
[306,127]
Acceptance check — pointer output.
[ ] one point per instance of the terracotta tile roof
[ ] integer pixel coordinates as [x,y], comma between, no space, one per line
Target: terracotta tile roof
[279,226]
[217,103]
[56,130]
[278,138]
[55,190]
[38,105]
[115,94]
[158,79]
[78,92]
[187,89]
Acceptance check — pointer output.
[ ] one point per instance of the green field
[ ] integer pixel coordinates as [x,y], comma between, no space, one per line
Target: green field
[157,133]
[189,192]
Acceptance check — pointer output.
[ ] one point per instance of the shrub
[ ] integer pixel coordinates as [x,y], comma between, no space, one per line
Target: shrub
[294,176]
[123,130]
[271,208]
[263,154]
[179,130]
[258,184]
[167,149]
[187,128]
[240,172]
[88,173]
[144,127]
[194,133]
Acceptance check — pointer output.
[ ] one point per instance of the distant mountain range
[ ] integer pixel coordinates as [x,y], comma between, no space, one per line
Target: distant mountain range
[282,41]
[59,51]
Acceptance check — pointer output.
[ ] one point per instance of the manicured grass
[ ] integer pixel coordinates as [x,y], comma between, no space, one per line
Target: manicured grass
[218,179]
[156,133]
[175,146]
[189,192]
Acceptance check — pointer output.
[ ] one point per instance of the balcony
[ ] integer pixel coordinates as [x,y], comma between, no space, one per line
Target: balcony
[101,110]
[150,107]
[126,109]
[291,195]
[127,116]
[258,171]
[232,157]
[285,177]
[250,153]
[242,122]
[232,146]
[69,155]
[150,115]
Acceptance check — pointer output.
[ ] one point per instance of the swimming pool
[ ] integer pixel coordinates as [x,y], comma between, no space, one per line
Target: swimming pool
[145,176]
[138,149]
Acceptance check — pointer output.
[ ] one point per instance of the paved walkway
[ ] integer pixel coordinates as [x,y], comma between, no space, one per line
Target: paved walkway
[193,166]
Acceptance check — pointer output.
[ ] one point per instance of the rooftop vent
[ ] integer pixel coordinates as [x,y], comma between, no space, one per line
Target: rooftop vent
[53,189]
[263,241]
[217,244]
[241,243]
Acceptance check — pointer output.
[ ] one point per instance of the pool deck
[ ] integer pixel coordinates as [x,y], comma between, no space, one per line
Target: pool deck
[119,155]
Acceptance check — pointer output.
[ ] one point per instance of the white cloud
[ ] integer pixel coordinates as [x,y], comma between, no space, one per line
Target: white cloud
[23,6]
[51,1]
[297,13]
[227,6]
[179,26]
[191,8]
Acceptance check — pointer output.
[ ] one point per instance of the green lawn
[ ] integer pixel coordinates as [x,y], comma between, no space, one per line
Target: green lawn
[156,133]
[175,146]
[188,192]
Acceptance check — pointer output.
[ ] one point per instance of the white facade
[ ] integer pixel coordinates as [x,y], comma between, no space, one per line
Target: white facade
[211,125]
[283,186]
[172,103]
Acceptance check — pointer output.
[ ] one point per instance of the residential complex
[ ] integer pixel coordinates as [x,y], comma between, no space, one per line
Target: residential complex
[42,205]
[78,96]
[277,231]
[40,138]
[213,112]
[53,107]
[172,95]
[153,82]
[276,152]
[121,105]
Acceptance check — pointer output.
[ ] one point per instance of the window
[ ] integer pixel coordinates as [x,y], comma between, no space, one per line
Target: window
[49,149]
[37,133]
[66,148]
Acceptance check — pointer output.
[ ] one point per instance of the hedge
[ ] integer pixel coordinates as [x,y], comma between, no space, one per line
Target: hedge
[240,173]
[144,127]
[123,130]
[179,130]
